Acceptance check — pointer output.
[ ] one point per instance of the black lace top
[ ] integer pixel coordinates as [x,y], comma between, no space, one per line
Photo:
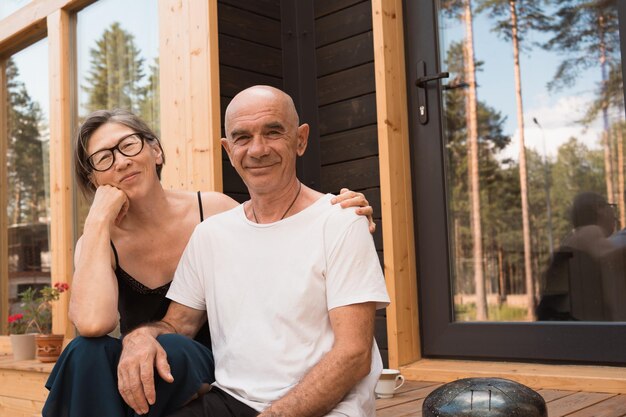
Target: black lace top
[139,304]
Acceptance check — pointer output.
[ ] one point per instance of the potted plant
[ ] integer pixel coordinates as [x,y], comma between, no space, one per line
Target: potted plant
[38,313]
[22,343]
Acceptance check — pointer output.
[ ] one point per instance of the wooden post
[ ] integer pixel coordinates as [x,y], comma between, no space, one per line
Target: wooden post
[395,182]
[4,184]
[190,96]
[61,209]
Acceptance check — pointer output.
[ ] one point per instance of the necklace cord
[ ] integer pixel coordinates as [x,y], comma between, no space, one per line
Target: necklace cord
[288,208]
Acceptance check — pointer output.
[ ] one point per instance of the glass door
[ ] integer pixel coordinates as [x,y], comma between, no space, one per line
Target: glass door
[517,135]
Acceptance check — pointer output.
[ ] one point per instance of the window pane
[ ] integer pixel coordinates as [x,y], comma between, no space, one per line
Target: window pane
[534,132]
[9,6]
[118,67]
[28,209]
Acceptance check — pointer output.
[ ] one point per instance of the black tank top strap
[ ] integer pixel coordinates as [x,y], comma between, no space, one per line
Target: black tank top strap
[200,206]
[117,261]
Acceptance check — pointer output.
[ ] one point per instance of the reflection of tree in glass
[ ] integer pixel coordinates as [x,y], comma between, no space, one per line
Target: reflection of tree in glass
[587,33]
[462,10]
[518,19]
[116,76]
[25,156]
[499,188]
[577,169]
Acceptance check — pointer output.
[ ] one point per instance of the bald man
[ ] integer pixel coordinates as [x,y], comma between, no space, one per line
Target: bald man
[289,283]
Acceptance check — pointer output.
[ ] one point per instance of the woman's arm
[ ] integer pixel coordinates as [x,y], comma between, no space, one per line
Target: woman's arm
[93,300]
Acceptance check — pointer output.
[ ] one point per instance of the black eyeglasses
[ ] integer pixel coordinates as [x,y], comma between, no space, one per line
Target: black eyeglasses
[129,145]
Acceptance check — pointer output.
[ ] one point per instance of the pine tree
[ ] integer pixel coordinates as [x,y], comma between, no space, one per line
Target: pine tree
[115,77]
[489,127]
[463,11]
[25,156]
[518,19]
[587,33]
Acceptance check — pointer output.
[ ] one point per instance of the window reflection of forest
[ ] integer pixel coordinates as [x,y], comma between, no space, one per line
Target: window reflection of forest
[28,208]
[510,204]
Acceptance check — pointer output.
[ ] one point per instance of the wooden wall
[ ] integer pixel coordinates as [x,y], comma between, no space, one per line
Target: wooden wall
[347,110]
[250,53]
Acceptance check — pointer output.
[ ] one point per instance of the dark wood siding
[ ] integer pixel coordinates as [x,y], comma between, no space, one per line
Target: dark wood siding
[250,53]
[347,110]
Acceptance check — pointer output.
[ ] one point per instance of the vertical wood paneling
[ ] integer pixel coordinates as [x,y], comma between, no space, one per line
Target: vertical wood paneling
[4,184]
[61,185]
[395,182]
[190,97]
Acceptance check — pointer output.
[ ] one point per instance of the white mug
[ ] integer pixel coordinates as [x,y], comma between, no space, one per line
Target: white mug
[388,383]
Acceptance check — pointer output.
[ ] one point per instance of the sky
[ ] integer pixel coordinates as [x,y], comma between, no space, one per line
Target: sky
[556,111]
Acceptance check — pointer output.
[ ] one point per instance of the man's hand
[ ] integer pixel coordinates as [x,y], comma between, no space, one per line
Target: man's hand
[348,198]
[135,372]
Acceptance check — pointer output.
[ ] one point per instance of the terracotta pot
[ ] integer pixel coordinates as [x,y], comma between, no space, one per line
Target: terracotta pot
[23,346]
[49,347]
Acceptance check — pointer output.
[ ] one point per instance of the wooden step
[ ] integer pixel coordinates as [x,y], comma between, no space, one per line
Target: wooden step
[22,390]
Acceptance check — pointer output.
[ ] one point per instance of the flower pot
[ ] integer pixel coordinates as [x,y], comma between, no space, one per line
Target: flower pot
[49,347]
[23,346]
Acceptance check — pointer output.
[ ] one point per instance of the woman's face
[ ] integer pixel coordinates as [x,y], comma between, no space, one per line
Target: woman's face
[128,173]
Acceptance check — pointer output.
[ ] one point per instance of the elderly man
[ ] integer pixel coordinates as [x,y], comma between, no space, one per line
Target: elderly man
[289,283]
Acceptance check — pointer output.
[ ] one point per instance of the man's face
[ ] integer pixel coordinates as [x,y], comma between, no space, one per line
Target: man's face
[263,140]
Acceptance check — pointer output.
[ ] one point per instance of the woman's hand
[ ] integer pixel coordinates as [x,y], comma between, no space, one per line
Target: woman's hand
[110,204]
[347,198]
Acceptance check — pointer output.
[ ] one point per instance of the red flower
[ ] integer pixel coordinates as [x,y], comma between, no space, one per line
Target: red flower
[62,286]
[15,317]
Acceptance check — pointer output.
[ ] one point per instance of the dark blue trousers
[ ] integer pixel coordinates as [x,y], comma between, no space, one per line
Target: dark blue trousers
[83,382]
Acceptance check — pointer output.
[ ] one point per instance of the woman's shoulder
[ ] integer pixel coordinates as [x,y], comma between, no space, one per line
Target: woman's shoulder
[213,202]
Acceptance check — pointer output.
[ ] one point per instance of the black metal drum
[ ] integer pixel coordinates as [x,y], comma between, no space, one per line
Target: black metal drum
[484,397]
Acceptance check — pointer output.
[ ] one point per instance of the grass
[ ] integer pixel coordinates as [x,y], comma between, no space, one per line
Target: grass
[503,312]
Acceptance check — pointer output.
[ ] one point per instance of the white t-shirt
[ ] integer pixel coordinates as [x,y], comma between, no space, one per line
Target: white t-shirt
[267,289]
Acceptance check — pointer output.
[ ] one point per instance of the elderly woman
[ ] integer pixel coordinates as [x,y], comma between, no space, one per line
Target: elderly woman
[132,240]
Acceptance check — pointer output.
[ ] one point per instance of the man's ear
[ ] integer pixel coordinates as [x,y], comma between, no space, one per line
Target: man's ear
[226,145]
[303,138]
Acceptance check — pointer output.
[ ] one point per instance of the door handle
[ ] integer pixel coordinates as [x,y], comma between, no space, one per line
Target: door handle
[422,80]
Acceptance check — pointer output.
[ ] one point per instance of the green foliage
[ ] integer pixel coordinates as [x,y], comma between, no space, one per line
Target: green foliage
[503,312]
[37,306]
[530,16]
[26,151]
[582,30]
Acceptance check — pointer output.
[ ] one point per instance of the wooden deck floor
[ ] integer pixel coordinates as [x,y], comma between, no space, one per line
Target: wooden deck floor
[409,398]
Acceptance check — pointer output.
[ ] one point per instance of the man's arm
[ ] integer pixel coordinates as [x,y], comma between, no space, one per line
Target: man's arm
[141,353]
[349,360]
